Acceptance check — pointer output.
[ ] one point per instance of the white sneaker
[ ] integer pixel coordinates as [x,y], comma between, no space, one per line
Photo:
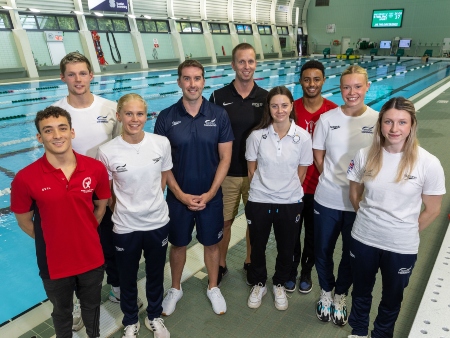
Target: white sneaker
[281,302]
[131,331]
[217,301]
[169,303]
[77,321]
[157,327]
[256,295]
[114,296]
[356,336]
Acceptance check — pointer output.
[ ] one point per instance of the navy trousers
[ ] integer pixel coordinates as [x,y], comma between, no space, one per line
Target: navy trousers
[328,225]
[395,270]
[129,249]
[106,239]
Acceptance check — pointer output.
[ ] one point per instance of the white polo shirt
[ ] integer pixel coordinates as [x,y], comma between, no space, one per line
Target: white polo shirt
[388,215]
[94,125]
[136,176]
[276,177]
[341,136]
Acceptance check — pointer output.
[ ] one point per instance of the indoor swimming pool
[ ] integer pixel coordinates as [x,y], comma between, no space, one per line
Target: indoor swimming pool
[20,285]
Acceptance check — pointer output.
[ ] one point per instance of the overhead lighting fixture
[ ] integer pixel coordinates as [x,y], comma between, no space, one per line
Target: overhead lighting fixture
[77,12]
[98,13]
[146,16]
[6,7]
[131,16]
[34,10]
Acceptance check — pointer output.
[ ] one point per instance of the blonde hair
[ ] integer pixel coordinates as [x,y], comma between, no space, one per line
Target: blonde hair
[130,97]
[410,147]
[355,69]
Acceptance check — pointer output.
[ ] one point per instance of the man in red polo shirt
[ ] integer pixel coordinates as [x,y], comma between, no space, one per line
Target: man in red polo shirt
[308,109]
[59,201]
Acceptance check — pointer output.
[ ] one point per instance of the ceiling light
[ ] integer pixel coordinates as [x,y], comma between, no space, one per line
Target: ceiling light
[77,12]
[146,16]
[35,10]
[98,13]
[131,16]
[6,7]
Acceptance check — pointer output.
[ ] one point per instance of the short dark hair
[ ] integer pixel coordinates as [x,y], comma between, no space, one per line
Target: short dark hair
[242,46]
[312,64]
[74,57]
[51,111]
[190,63]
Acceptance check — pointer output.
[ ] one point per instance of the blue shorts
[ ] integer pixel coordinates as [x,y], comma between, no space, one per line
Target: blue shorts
[208,222]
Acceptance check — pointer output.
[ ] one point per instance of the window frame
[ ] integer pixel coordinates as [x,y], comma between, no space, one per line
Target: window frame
[220,24]
[155,21]
[283,28]
[112,19]
[244,25]
[265,27]
[179,25]
[8,17]
[55,16]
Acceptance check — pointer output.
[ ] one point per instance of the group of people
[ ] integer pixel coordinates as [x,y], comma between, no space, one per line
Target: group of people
[339,170]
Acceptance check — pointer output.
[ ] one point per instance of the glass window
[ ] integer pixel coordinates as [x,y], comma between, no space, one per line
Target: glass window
[120,25]
[282,30]
[196,27]
[214,28]
[162,26]
[248,29]
[140,25]
[224,28]
[150,26]
[47,22]
[91,23]
[28,22]
[268,30]
[5,23]
[261,30]
[67,23]
[185,27]
[105,24]
[240,29]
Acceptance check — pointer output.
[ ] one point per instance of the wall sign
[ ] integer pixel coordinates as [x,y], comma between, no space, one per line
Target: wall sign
[108,5]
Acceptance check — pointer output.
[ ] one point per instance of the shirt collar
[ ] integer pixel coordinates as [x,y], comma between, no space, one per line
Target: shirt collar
[252,94]
[291,131]
[48,168]
[182,110]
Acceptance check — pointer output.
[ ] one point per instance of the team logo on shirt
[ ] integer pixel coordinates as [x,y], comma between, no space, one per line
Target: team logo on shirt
[310,126]
[367,130]
[334,127]
[227,103]
[296,139]
[174,123]
[220,234]
[102,119]
[350,166]
[46,188]
[121,168]
[156,160]
[297,218]
[264,136]
[257,104]
[210,123]
[404,271]
[410,177]
[87,185]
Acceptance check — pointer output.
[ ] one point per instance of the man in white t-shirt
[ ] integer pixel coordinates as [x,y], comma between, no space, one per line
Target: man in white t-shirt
[94,120]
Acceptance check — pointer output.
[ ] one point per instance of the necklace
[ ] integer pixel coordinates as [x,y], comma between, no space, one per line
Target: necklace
[138,148]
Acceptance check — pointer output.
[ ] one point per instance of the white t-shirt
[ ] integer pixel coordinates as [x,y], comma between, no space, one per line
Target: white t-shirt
[341,136]
[136,176]
[388,214]
[93,126]
[276,177]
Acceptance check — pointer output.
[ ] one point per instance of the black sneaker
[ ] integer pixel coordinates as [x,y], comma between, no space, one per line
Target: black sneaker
[246,266]
[305,285]
[222,273]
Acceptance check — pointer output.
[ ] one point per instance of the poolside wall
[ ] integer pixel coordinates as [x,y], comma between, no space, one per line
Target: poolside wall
[423,22]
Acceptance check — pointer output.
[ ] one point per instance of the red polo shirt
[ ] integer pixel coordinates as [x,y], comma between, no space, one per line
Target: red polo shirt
[308,121]
[67,241]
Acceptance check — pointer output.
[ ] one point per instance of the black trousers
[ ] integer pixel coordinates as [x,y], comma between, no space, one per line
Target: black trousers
[285,219]
[88,287]
[307,257]
[109,251]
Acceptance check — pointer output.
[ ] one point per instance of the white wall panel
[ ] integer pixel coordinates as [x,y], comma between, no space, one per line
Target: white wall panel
[263,9]
[217,10]
[154,8]
[48,5]
[189,9]
[242,10]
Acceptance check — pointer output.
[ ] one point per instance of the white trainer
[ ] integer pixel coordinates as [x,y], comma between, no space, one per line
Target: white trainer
[281,301]
[157,327]
[217,301]
[356,336]
[169,303]
[77,321]
[256,295]
[114,296]
[131,331]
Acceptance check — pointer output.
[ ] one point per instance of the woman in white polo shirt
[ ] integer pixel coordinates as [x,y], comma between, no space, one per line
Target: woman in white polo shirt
[389,181]
[137,163]
[339,133]
[278,153]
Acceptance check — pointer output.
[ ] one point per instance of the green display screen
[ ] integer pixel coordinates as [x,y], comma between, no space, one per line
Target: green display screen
[387,18]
